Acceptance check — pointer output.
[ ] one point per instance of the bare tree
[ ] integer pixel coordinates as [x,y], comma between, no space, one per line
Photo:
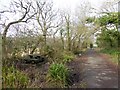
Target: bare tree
[46,19]
[80,26]
[66,28]
[67,20]
[62,36]
[109,6]
[24,8]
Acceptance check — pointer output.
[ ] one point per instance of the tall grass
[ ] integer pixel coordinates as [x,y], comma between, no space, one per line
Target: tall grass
[58,74]
[114,53]
[12,78]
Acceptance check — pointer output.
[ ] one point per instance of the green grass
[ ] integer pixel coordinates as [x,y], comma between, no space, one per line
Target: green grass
[113,53]
[67,57]
[58,74]
[12,78]
[110,51]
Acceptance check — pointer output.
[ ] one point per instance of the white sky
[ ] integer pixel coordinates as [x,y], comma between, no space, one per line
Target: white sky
[67,5]
[73,3]
[62,4]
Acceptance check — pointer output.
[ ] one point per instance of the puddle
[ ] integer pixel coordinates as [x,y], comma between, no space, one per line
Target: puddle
[106,78]
[103,73]
[99,80]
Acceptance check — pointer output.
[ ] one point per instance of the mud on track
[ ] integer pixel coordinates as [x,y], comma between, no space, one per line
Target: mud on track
[93,71]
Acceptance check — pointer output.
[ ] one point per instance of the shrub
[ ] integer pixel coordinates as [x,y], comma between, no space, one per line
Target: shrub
[76,52]
[114,53]
[58,74]
[49,51]
[13,78]
[67,57]
[110,51]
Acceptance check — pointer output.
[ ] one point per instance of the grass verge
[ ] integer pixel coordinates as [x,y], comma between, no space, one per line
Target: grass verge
[114,54]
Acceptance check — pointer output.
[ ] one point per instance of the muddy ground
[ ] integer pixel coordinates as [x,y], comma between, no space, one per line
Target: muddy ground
[91,70]
[94,70]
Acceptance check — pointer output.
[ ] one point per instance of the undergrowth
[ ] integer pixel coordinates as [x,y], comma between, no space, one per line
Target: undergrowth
[58,75]
[12,78]
[114,53]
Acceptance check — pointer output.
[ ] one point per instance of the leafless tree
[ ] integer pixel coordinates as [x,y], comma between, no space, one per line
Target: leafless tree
[47,20]
[80,27]
[67,21]
[26,12]
[109,6]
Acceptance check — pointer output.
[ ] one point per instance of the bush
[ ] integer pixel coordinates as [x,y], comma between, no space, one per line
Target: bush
[58,74]
[114,53]
[13,78]
[79,51]
[67,57]
[110,51]
[49,51]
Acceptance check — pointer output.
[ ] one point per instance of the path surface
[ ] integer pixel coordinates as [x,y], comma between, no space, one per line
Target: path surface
[95,73]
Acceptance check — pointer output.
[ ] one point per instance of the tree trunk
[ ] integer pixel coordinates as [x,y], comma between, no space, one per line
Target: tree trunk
[4,48]
[54,38]
[62,38]
[62,43]
[78,46]
[45,40]
[34,48]
[68,37]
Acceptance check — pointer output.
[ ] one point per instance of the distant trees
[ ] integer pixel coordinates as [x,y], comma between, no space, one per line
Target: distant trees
[107,23]
[82,31]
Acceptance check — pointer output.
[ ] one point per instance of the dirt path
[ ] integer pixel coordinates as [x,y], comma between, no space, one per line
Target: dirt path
[95,72]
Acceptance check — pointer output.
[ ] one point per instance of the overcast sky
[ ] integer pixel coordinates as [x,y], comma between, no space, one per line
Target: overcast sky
[74,3]
[63,4]
[68,5]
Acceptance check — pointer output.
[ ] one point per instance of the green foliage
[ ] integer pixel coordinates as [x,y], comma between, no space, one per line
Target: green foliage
[105,19]
[108,39]
[108,18]
[58,73]
[76,52]
[90,19]
[110,51]
[58,55]
[49,51]
[67,57]
[114,53]
[13,78]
